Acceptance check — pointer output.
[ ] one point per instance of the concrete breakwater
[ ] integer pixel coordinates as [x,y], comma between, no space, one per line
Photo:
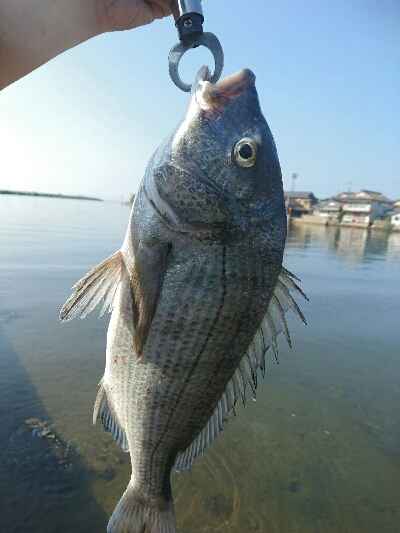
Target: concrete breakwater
[329,221]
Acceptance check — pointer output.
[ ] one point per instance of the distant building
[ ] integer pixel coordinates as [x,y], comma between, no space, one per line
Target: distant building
[304,198]
[396,221]
[396,217]
[299,203]
[363,207]
[396,207]
[328,208]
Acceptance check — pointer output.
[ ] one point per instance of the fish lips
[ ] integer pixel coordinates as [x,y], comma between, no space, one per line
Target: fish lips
[241,117]
[215,98]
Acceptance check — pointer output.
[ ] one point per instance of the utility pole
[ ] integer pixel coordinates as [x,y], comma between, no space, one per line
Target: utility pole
[294,178]
[287,199]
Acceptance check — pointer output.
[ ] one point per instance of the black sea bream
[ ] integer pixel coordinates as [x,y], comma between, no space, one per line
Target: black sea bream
[198,293]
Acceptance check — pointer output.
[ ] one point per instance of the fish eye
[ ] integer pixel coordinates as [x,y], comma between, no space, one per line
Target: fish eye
[245,152]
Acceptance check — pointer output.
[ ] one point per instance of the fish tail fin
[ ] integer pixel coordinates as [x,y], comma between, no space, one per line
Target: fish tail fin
[135,515]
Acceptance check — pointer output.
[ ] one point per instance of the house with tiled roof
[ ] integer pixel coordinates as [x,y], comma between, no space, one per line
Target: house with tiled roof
[299,203]
[363,207]
[396,207]
[396,215]
[328,209]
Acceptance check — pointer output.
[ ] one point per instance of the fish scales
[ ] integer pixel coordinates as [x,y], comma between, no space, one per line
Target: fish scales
[198,387]
[203,357]
[193,286]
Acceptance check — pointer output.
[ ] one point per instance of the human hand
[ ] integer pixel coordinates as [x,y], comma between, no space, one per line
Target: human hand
[32,33]
[113,15]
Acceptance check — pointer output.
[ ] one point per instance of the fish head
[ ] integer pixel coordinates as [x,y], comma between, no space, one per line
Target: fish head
[220,166]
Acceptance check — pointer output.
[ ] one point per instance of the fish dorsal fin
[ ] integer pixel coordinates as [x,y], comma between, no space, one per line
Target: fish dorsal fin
[246,373]
[101,282]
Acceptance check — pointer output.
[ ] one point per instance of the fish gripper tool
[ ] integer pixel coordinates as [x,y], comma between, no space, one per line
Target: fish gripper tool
[188,15]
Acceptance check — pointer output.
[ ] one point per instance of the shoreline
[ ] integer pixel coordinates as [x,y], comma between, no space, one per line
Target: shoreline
[49,195]
[316,221]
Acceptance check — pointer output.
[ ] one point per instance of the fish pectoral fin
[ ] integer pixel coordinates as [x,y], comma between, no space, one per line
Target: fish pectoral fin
[103,411]
[101,282]
[246,373]
[146,283]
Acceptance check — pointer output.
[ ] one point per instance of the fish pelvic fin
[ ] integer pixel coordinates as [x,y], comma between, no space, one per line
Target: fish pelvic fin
[101,282]
[246,373]
[103,411]
[135,515]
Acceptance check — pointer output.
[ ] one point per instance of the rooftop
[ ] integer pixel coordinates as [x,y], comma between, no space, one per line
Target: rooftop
[297,206]
[362,195]
[306,195]
[328,205]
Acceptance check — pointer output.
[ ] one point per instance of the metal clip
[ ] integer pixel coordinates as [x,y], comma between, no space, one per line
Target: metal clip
[188,15]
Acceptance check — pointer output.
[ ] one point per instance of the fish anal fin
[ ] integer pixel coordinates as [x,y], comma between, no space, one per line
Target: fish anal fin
[103,411]
[101,282]
[246,372]
[146,283]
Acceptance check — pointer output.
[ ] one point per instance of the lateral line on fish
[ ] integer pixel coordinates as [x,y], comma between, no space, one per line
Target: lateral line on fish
[245,373]
[217,315]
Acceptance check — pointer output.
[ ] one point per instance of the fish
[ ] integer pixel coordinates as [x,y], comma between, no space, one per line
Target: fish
[197,293]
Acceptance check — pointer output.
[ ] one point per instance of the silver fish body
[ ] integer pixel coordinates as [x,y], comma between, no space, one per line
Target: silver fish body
[198,293]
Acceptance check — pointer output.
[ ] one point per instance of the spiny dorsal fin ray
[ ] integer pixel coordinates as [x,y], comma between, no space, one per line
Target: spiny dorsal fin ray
[101,281]
[246,373]
[286,278]
[286,300]
[269,333]
[280,314]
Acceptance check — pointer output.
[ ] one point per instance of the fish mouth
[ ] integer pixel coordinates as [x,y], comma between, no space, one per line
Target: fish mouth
[214,98]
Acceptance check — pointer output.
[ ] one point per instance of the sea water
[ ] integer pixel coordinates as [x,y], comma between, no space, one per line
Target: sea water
[319,451]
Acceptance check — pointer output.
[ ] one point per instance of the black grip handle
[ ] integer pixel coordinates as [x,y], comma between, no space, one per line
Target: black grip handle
[188,15]
[190,26]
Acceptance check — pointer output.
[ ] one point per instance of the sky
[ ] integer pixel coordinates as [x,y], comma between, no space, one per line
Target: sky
[328,79]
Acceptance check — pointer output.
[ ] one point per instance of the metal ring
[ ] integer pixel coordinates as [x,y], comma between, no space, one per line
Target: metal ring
[210,41]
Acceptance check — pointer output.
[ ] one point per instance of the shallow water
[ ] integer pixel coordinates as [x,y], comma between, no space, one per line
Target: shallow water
[318,452]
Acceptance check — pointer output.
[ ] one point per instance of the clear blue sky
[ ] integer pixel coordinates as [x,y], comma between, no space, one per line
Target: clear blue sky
[328,77]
